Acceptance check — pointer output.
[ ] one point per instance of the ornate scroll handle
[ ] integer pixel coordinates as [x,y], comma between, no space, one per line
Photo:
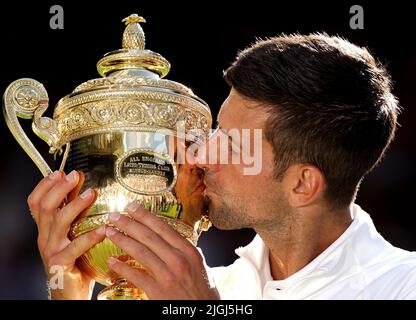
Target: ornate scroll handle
[27,99]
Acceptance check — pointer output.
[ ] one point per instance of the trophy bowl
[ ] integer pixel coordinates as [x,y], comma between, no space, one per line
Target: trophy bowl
[128,132]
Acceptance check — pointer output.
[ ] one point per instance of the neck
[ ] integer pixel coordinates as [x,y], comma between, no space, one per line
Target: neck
[306,235]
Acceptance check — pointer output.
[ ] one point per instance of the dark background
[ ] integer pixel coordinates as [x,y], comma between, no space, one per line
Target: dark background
[200,39]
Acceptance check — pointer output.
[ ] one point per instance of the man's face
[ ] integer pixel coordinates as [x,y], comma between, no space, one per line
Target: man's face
[236,199]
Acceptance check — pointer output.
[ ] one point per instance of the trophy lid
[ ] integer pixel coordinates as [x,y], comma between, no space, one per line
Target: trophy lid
[133,56]
[131,95]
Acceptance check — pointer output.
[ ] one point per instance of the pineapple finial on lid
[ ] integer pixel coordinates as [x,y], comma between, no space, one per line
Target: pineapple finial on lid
[133,36]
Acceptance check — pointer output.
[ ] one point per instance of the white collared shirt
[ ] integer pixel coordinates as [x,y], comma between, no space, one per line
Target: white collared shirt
[360,264]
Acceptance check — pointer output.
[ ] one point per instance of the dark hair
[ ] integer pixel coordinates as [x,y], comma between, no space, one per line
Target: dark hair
[329,103]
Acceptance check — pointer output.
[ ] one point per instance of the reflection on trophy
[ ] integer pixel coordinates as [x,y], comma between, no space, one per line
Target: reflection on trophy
[121,130]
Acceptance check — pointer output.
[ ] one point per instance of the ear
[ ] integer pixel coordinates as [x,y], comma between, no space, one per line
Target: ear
[305,184]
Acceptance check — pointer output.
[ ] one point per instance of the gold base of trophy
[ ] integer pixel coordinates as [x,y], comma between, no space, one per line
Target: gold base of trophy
[122,290]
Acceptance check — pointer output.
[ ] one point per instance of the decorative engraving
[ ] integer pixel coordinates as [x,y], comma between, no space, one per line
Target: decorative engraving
[132,113]
[203,124]
[134,82]
[165,114]
[104,114]
[27,98]
[87,224]
[135,113]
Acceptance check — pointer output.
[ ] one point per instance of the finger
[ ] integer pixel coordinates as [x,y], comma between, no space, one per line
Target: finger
[78,247]
[58,193]
[138,252]
[77,189]
[52,200]
[135,276]
[65,217]
[146,236]
[39,192]
[163,229]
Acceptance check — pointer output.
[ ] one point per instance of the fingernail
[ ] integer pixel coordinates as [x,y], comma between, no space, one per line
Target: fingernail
[54,175]
[72,176]
[112,261]
[110,232]
[114,216]
[133,207]
[100,230]
[86,194]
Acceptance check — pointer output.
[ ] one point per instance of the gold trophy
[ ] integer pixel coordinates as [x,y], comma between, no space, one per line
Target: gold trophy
[124,131]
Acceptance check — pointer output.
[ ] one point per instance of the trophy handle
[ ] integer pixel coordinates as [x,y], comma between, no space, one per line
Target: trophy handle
[27,99]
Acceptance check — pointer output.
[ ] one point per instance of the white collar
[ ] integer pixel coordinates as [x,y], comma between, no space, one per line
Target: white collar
[258,254]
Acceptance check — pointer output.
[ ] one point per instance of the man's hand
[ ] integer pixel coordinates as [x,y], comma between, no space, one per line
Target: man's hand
[174,267]
[53,224]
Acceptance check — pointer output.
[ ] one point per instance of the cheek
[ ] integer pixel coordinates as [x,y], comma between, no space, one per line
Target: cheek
[256,184]
[261,185]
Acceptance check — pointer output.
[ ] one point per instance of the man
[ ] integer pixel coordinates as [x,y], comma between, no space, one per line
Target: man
[328,115]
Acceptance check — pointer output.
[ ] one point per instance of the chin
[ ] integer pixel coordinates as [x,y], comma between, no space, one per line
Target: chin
[218,221]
